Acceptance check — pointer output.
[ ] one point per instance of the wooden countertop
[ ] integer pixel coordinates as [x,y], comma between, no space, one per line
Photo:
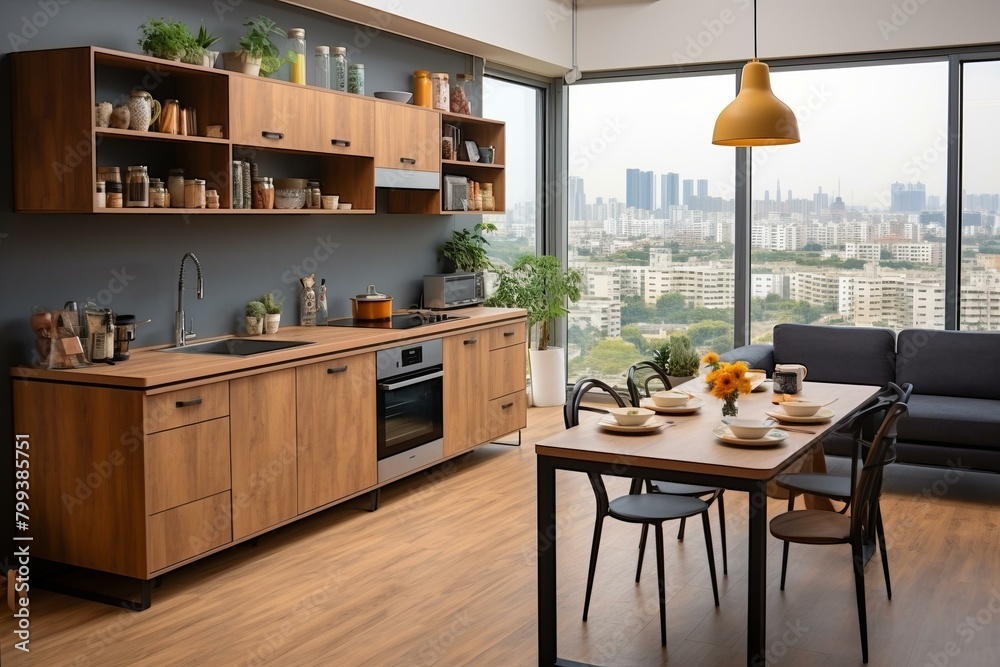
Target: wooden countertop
[151,367]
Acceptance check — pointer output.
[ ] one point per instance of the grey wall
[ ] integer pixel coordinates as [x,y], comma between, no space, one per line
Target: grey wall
[130,263]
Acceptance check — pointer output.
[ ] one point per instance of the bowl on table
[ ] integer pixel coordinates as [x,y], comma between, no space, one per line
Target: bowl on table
[669,399]
[749,429]
[800,408]
[631,416]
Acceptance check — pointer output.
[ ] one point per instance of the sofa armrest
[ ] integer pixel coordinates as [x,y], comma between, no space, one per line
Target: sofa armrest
[756,356]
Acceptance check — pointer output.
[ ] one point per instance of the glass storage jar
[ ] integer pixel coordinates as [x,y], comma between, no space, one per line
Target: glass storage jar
[338,69]
[422,88]
[323,66]
[138,187]
[356,79]
[439,94]
[175,186]
[194,193]
[297,45]
[114,194]
[461,94]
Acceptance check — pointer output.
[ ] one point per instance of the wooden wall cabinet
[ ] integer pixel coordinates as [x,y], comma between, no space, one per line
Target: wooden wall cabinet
[406,137]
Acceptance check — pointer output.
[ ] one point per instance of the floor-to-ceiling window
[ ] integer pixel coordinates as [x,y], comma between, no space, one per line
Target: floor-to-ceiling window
[979,306]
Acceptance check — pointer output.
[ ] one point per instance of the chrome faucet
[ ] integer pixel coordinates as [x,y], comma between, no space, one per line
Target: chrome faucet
[181,332]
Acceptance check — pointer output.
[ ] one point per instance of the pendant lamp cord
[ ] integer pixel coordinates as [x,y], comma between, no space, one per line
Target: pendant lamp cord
[755,29]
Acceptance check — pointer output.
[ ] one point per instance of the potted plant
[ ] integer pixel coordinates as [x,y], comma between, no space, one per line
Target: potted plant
[201,55]
[541,286]
[684,361]
[273,309]
[254,46]
[166,38]
[256,312]
[466,251]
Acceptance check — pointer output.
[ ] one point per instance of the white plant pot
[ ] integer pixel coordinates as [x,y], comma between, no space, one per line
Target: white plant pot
[548,376]
[240,61]
[271,323]
[255,325]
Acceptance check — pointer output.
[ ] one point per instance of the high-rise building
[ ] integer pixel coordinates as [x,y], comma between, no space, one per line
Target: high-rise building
[577,199]
[702,187]
[779,190]
[669,191]
[908,197]
[688,191]
[639,189]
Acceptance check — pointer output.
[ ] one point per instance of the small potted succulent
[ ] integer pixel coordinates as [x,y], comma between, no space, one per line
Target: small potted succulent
[255,45]
[273,309]
[201,55]
[166,38]
[256,312]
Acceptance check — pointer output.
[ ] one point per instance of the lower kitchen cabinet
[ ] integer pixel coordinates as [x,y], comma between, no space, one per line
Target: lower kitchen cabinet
[262,441]
[466,390]
[335,436]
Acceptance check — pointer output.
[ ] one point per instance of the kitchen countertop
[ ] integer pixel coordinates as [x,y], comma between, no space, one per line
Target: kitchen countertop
[151,367]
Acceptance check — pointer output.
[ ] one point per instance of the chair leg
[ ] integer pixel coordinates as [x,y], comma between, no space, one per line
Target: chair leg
[711,554]
[784,546]
[661,588]
[881,543]
[722,530]
[680,531]
[858,557]
[642,551]
[598,525]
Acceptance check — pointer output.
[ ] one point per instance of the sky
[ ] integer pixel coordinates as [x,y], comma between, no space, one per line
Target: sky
[862,129]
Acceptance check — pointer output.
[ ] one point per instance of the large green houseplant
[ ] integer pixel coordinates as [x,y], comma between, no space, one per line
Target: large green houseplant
[540,285]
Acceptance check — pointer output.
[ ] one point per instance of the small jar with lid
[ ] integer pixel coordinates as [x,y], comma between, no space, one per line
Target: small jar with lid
[194,193]
[439,92]
[297,46]
[260,192]
[100,195]
[356,79]
[211,198]
[175,186]
[461,94]
[338,69]
[138,187]
[157,194]
[322,67]
[422,88]
[313,194]
[114,195]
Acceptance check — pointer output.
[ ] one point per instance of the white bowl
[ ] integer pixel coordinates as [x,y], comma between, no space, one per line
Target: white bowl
[394,95]
[344,206]
[800,408]
[631,416]
[669,399]
[749,429]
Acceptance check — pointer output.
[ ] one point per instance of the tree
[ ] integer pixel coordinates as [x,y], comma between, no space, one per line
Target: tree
[812,247]
[632,334]
[635,310]
[701,333]
[610,358]
[670,307]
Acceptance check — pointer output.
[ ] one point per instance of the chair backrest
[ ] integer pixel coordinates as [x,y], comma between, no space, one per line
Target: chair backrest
[638,381]
[571,410]
[870,482]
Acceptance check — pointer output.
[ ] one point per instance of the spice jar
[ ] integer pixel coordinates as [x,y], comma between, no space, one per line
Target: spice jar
[338,69]
[194,193]
[323,66]
[175,185]
[260,192]
[212,198]
[313,194]
[439,91]
[356,79]
[461,94]
[114,194]
[138,187]
[157,194]
[422,88]
[100,197]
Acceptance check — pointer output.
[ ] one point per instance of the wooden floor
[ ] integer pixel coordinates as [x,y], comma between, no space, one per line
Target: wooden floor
[444,574]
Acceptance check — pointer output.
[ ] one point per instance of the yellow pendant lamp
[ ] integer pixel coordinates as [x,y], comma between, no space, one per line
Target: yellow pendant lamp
[756,117]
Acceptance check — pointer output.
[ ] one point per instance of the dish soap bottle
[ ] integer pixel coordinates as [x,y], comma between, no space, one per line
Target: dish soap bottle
[307,301]
[322,314]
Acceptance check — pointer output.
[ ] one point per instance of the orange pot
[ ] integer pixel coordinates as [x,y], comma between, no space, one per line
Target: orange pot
[371,306]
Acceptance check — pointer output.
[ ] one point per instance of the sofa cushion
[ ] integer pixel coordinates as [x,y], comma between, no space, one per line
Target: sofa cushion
[756,356]
[848,355]
[951,420]
[949,363]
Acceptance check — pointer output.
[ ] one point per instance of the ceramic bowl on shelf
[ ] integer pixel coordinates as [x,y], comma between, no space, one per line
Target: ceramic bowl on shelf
[800,408]
[289,197]
[669,399]
[631,416]
[344,206]
[394,95]
[749,429]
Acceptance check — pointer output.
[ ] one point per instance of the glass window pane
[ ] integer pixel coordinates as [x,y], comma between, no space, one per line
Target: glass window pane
[848,226]
[651,217]
[980,291]
[519,106]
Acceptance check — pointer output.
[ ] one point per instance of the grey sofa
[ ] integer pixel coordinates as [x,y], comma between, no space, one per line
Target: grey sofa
[954,413]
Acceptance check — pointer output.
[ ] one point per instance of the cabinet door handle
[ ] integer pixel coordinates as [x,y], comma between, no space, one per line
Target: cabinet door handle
[508,333]
[340,142]
[507,405]
[272,135]
[407,160]
[470,341]
[338,369]
[187,404]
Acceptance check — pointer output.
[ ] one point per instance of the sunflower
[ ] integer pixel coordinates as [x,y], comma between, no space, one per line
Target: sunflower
[729,379]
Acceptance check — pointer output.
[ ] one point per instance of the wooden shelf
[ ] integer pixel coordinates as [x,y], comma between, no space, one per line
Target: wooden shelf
[465,163]
[157,136]
[239,211]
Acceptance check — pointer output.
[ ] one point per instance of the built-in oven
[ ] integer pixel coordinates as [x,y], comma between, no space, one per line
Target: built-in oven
[410,410]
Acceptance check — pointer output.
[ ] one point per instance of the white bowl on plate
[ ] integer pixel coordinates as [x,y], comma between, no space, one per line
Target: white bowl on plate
[800,408]
[669,399]
[631,416]
[749,429]
[394,95]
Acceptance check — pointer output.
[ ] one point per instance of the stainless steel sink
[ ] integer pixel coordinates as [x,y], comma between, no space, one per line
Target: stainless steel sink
[238,347]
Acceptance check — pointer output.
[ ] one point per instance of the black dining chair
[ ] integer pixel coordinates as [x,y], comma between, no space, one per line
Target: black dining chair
[638,389]
[825,527]
[839,488]
[643,508]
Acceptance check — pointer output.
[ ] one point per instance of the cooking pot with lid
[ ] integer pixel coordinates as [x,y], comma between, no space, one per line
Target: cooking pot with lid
[371,306]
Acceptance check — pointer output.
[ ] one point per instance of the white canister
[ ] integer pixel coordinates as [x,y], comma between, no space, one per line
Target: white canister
[799,370]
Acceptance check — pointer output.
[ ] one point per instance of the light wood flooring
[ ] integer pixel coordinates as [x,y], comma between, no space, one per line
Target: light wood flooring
[444,574]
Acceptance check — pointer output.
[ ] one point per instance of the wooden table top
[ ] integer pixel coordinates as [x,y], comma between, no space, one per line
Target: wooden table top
[689,444]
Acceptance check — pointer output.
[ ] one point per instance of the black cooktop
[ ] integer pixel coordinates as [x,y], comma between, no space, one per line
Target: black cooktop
[402,321]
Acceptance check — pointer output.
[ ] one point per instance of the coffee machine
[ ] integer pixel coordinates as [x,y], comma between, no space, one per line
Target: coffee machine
[124,334]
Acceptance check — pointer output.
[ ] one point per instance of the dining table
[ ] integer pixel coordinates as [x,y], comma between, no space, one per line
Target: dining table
[688,450]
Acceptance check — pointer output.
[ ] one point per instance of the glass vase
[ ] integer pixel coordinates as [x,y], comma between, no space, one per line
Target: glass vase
[731,405]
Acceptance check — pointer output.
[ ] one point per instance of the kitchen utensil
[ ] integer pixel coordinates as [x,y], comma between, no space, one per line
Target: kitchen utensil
[143,110]
[371,306]
[793,429]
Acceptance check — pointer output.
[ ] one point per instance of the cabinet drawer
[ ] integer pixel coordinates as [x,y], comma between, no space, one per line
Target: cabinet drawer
[507,414]
[186,406]
[186,464]
[186,531]
[507,370]
[511,334]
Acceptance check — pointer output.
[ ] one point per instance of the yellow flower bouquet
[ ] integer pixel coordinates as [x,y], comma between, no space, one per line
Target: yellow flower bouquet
[728,381]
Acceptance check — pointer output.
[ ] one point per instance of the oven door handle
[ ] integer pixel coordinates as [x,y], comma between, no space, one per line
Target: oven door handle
[411,381]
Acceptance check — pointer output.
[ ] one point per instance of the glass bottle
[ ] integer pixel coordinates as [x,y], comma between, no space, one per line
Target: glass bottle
[422,88]
[461,94]
[114,194]
[338,69]
[323,66]
[356,79]
[100,196]
[439,83]
[297,45]
[138,187]
[175,185]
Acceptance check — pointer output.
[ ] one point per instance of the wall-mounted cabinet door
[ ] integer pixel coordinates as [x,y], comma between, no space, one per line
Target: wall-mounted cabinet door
[407,137]
[269,114]
[348,124]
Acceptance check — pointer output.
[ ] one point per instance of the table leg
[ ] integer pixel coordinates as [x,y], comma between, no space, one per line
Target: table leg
[546,502]
[757,577]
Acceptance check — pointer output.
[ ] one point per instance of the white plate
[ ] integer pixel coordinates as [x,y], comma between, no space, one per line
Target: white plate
[650,426]
[773,437]
[756,380]
[822,416]
[693,405]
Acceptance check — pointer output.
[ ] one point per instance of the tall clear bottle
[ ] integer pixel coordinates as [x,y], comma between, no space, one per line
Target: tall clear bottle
[297,44]
[323,66]
[338,69]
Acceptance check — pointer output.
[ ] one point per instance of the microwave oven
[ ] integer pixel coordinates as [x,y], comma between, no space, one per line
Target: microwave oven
[453,290]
